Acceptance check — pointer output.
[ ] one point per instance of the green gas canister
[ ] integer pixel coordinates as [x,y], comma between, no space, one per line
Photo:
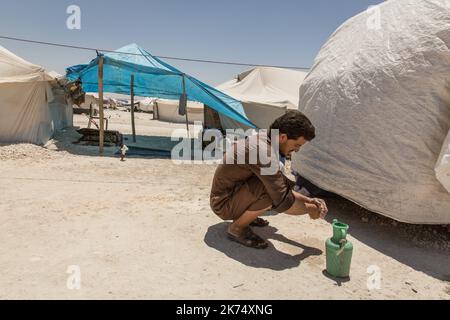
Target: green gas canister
[339,251]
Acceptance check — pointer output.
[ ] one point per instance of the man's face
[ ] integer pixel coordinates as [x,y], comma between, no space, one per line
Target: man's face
[287,146]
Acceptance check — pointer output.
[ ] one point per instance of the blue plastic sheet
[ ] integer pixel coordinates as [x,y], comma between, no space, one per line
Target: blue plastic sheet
[153,78]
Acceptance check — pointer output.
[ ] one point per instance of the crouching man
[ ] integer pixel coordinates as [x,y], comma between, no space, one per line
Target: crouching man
[249,182]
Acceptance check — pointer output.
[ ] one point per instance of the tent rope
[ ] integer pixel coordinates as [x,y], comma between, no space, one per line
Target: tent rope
[161,57]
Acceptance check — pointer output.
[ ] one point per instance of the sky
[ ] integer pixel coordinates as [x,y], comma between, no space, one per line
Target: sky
[276,32]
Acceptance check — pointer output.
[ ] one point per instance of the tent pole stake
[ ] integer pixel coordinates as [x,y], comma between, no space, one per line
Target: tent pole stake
[187,119]
[133,126]
[101,142]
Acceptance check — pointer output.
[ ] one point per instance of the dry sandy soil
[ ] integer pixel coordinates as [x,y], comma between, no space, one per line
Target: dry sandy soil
[143,229]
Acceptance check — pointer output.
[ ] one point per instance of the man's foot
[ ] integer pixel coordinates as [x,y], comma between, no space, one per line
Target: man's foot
[259,222]
[248,238]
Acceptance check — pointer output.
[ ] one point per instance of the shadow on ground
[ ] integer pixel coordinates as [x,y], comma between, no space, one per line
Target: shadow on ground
[147,147]
[423,248]
[269,258]
[338,281]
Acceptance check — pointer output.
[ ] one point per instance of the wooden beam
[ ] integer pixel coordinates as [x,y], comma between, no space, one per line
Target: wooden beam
[101,142]
[187,119]
[187,122]
[133,126]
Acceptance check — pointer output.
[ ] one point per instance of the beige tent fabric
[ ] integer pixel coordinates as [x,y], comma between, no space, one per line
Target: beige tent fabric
[89,99]
[55,75]
[24,113]
[167,110]
[380,100]
[15,69]
[147,104]
[30,110]
[266,94]
[443,164]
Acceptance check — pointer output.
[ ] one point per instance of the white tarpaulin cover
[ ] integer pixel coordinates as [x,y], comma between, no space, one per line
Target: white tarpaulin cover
[25,93]
[168,110]
[147,104]
[380,101]
[443,165]
[266,94]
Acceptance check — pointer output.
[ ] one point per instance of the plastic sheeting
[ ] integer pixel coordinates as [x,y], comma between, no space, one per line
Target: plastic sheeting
[379,97]
[153,78]
[266,94]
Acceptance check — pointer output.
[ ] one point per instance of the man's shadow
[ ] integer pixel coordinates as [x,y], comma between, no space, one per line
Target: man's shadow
[270,258]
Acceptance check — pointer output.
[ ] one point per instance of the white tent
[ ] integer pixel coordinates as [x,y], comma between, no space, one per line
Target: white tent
[147,104]
[90,99]
[266,94]
[25,93]
[55,75]
[168,110]
[379,97]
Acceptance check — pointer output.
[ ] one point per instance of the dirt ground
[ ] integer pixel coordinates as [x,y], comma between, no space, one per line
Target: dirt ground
[143,229]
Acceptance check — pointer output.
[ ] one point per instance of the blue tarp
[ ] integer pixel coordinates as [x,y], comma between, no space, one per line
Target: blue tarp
[152,78]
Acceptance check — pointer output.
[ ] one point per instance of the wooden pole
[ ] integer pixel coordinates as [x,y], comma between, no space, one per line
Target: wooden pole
[101,142]
[90,115]
[187,119]
[133,127]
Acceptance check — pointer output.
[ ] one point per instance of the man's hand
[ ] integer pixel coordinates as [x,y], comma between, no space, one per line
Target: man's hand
[313,211]
[316,208]
[322,207]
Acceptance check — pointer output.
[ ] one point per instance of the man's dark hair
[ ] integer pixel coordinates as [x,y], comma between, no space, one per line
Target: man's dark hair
[295,125]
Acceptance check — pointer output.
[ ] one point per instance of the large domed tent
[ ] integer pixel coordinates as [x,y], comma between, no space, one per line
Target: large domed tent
[266,94]
[379,96]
